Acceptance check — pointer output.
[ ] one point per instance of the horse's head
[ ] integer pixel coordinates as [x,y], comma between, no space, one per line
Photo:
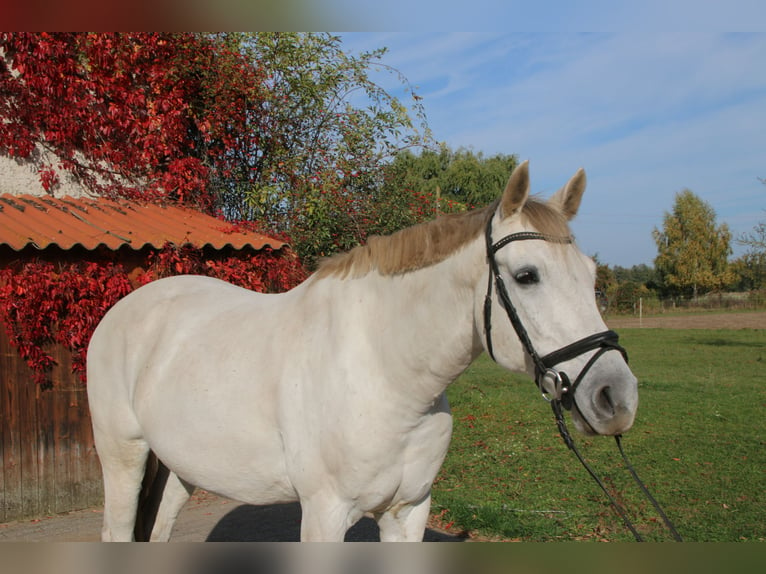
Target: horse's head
[540,291]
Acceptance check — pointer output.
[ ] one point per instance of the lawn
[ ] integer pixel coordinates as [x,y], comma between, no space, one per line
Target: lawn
[698,444]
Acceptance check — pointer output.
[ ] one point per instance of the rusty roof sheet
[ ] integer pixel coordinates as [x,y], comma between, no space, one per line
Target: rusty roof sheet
[68,222]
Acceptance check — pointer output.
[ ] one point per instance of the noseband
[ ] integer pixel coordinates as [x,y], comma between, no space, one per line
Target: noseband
[561,388]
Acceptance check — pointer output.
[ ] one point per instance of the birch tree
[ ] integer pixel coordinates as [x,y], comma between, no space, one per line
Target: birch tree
[693,250]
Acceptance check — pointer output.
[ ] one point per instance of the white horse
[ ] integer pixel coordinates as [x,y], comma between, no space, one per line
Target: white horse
[333,394]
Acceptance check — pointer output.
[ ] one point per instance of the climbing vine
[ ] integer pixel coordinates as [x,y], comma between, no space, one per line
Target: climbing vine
[44,303]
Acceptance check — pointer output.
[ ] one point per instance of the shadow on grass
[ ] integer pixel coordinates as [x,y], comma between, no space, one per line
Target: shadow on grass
[721,342]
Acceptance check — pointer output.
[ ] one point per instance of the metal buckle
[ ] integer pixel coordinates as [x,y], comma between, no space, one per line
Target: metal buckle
[557,385]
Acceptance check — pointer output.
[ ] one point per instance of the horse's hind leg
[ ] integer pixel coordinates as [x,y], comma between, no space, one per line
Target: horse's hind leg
[175,495]
[122,464]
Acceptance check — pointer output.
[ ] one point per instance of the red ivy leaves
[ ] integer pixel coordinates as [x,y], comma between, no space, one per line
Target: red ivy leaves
[265,271]
[43,303]
[139,115]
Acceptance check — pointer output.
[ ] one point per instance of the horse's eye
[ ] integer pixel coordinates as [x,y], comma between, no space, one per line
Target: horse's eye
[527,276]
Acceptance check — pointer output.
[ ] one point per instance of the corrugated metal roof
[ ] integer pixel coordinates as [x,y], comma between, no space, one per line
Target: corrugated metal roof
[67,222]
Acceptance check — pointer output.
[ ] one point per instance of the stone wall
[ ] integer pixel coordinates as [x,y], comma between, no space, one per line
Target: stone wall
[19,177]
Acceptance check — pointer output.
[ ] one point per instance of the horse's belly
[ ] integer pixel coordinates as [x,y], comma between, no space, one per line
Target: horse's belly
[230,447]
[250,471]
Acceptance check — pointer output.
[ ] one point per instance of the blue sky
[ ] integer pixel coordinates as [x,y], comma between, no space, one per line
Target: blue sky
[646,115]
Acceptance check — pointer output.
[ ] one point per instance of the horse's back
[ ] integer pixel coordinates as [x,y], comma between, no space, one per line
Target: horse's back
[154,297]
[139,321]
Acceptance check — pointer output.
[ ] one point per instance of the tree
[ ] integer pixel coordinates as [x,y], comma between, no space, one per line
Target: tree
[692,250]
[331,132]
[749,271]
[606,284]
[461,176]
[756,239]
[626,296]
[640,273]
[751,267]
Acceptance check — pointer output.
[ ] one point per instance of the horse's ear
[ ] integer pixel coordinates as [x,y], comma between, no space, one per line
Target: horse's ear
[516,191]
[567,199]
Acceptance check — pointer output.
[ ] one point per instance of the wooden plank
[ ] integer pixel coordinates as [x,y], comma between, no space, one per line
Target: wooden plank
[28,427]
[96,489]
[12,478]
[90,482]
[77,466]
[61,462]
[45,453]
[4,374]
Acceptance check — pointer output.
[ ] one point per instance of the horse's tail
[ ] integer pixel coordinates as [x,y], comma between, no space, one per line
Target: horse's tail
[152,487]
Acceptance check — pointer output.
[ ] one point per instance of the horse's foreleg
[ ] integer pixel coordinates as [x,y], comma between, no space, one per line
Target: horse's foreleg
[326,519]
[405,523]
[174,496]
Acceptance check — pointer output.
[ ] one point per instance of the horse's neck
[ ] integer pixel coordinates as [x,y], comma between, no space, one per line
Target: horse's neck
[422,321]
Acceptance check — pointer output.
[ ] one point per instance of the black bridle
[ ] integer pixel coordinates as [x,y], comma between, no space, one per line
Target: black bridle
[561,392]
[563,389]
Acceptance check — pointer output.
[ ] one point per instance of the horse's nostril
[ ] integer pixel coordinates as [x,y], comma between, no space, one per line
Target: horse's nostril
[605,401]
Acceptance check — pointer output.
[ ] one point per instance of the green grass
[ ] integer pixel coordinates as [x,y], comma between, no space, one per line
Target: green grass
[698,444]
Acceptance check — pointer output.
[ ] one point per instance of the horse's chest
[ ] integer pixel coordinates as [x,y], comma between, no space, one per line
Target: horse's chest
[402,468]
[425,451]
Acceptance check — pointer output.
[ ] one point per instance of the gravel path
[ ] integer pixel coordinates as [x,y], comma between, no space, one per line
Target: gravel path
[205,517]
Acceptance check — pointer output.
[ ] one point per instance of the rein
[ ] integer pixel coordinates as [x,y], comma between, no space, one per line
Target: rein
[561,391]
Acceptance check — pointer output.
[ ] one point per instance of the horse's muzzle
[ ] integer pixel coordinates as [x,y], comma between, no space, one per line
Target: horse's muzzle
[607,409]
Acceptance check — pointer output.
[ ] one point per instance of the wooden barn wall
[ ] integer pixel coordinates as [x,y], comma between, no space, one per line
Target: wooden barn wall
[49,462]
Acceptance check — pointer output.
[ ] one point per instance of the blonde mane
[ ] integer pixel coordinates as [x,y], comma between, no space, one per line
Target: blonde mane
[431,242]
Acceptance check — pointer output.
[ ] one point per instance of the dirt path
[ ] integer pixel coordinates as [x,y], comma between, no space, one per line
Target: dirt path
[205,517]
[711,320]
